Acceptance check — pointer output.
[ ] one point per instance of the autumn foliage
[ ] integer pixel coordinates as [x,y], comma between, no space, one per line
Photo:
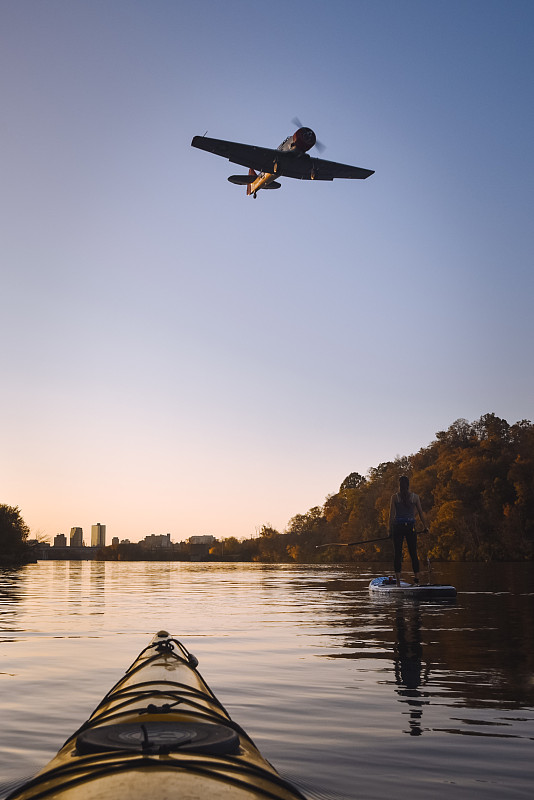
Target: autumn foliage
[476,483]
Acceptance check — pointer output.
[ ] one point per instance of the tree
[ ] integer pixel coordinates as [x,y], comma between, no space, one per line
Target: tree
[476,484]
[352,481]
[13,535]
[231,546]
[271,545]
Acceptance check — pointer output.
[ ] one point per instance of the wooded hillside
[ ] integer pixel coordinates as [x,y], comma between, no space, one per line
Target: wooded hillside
[476,483]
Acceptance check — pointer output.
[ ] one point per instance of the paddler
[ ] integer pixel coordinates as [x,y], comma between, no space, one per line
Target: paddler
[402,510]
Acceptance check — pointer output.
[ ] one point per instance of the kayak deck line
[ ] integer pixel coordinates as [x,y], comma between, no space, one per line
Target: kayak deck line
[166,708]
[137,746]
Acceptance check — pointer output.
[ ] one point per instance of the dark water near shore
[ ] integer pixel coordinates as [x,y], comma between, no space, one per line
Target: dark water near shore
[349,696]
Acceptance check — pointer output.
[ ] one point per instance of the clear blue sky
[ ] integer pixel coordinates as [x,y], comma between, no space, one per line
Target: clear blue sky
[177,357]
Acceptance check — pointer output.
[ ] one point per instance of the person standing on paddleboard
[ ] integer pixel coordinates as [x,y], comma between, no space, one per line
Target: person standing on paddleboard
[404,504]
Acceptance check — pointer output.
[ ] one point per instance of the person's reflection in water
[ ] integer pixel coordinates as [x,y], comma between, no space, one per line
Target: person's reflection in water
[409,673]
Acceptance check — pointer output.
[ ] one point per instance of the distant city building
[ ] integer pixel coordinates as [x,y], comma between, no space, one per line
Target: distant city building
[199,546]
[76,537]
[60,540]
[37,543]
[155,541]
[98,535]
[115,541]
[202,540]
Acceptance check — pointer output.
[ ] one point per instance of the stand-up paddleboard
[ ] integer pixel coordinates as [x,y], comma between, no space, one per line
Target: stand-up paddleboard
[387,586]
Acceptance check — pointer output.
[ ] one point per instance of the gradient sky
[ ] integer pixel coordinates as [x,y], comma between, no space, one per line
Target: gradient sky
[178,357]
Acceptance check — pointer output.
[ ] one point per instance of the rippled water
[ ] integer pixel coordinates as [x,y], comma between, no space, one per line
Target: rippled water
[349,696]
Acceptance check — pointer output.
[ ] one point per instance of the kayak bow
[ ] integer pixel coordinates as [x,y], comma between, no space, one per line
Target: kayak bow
[160,732]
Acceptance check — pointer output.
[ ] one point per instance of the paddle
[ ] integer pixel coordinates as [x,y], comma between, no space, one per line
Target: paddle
[365,541]
[350,544]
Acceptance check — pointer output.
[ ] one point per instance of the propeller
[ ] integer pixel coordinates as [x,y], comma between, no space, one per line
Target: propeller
[319,145]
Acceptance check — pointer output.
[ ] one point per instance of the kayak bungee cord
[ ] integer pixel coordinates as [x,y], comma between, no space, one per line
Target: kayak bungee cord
[166,647]
[106,716]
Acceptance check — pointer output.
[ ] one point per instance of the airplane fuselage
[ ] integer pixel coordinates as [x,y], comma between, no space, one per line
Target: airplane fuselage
[299,142]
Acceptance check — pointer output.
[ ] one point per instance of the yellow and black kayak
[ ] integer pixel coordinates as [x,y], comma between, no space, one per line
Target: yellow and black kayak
[159,734]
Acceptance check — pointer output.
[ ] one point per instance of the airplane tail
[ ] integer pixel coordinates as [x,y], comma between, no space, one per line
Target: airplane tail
[251,173]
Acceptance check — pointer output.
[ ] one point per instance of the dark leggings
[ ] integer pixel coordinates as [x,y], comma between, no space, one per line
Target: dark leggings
[400,531]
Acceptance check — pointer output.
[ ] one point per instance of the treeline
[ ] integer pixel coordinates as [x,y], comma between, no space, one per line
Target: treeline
[13,534]
[476,483]
[230,549]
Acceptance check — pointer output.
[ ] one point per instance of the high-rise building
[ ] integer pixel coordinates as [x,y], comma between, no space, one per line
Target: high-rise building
[98,535]
[76,537]
[60,540]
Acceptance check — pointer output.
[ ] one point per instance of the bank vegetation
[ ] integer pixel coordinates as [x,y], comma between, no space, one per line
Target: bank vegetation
[476,484]
[475,481]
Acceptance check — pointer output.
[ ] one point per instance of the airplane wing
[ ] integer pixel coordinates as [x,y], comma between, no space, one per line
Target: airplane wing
[317,169]
[261,159]
[286,163]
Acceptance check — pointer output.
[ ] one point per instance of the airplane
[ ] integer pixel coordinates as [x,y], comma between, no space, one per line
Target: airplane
[289,160]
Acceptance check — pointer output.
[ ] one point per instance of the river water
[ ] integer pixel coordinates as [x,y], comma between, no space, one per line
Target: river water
[347,695]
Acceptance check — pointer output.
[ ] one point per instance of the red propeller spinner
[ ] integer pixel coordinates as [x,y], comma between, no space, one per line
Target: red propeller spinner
[304,139]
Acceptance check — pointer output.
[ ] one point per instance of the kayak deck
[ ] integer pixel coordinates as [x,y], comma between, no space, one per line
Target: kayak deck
[160,732]
[387,586]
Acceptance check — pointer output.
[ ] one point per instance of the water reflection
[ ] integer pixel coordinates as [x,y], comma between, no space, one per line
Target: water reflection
[383,678]
[10,597]
[97,588]
[9,587]
[73,580]
[411,670]
[474,652]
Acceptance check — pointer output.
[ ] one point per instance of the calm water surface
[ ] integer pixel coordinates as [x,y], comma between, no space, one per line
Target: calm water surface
[349,696]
